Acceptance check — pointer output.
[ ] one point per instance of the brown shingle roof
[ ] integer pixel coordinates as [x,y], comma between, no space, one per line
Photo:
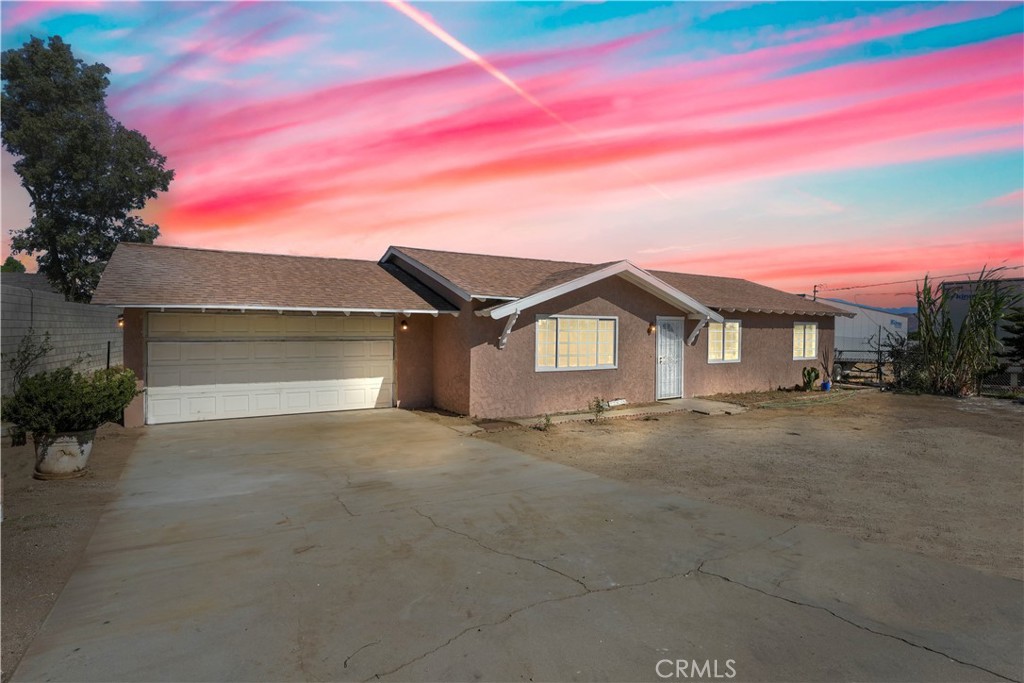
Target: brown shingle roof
[149,275]
[509,277]
[730,294]
[499,276]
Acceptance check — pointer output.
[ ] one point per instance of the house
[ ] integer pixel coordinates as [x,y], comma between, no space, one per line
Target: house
[858,336]
[216,334]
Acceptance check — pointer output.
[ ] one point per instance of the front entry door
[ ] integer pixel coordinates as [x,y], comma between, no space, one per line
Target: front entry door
[670,358]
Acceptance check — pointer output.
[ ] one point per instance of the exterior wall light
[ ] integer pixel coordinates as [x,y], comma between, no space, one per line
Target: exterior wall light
[404,325]
[120,320]
[651,328]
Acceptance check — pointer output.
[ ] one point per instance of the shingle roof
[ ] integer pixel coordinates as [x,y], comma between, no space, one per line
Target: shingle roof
[509,277]
[729,294]
[483,275]
[150,275]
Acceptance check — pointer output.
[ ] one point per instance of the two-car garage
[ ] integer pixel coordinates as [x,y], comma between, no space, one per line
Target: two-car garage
[207,366]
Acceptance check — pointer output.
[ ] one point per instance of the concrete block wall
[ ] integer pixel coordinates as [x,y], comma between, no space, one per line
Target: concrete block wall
[76,330]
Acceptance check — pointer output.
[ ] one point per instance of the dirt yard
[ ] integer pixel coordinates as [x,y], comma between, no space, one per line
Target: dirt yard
[46,527]
[932,475]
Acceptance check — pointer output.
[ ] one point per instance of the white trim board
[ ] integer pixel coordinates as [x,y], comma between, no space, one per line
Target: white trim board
[624,269]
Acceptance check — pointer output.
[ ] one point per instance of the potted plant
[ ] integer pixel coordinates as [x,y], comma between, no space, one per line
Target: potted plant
[62,409]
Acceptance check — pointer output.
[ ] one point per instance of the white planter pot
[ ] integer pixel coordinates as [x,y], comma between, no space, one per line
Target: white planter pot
[63,455]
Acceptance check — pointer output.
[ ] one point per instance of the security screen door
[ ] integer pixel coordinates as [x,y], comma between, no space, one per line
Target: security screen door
[670,358]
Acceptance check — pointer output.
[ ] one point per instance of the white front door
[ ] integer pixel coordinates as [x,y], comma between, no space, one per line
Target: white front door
[670,358]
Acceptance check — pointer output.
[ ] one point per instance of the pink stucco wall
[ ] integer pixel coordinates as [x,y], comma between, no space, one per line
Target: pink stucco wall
[451,351]
[505,382]
[414,361]
[766,356]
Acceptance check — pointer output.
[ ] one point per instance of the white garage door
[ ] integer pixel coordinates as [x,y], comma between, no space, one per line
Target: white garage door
[211,366]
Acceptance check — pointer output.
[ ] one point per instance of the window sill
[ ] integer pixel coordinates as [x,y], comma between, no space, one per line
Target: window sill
[599,367]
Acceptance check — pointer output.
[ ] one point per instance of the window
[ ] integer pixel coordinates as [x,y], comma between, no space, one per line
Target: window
[724,342]
[805,341]
[576,343]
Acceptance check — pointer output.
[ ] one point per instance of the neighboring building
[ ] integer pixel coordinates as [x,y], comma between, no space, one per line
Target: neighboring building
[861,333]
[961,292]
[85,337]
[218,334]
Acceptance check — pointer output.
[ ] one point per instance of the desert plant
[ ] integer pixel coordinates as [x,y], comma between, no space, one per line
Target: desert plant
[954,360]
[543,424]
[907,363]
[597,406]
[67,401]
[810,377]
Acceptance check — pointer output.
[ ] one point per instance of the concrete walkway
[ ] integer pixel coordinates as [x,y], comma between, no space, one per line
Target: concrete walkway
[671,405]
[378,544]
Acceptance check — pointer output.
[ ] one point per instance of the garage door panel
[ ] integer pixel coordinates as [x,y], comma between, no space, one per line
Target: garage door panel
[203,377]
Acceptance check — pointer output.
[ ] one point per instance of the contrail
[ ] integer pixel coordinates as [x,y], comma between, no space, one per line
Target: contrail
[454,43]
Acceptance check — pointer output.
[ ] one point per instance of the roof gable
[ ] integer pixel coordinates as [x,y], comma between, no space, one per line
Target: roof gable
[482,276]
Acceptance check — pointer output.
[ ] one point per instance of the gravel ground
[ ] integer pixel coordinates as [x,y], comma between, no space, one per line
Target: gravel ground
[46,527]
[932,475]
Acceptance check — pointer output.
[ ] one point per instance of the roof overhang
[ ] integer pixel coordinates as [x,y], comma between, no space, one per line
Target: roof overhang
[204,308]
[393,253]
[785,311]
[624,269]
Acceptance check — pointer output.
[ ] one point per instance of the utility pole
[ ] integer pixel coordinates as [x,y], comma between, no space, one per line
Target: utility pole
[814,295]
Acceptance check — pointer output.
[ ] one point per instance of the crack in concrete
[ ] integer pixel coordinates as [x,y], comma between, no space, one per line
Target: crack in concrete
[344,665]
[487,624]
[501,552]
[700,570]
[337,497]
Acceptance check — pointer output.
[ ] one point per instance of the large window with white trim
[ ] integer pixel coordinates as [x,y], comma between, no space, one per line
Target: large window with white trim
[576,343]
[805,341]
[724,342]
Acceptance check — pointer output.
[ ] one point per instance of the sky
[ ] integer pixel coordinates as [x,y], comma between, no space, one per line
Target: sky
[795,144]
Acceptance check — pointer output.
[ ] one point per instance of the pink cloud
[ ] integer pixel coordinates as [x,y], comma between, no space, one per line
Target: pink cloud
[1015,198]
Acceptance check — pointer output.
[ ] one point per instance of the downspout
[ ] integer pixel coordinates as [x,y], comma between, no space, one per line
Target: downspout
[692,339]
[503,339]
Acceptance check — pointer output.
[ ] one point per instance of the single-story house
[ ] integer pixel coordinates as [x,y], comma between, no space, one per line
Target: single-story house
[217,334]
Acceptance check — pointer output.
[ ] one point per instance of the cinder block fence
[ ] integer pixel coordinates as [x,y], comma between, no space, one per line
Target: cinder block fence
[77,331]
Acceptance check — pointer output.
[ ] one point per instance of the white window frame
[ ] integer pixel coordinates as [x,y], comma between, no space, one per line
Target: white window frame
[536,343]
[817,340]
[739,342]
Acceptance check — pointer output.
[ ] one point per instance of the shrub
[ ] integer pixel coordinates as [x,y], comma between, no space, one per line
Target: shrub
[543,424]
[597,406]
[67,401]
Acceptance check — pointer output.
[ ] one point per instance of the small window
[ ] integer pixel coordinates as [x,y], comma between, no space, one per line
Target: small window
[805,341]
[724,342]
[576,343]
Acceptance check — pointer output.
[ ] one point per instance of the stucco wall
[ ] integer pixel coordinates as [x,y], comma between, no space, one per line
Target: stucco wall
[77,331]
[451,360]
[505,383]
[414,362]
[766,356]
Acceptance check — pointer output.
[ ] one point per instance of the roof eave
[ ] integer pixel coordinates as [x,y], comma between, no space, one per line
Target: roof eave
[279,309]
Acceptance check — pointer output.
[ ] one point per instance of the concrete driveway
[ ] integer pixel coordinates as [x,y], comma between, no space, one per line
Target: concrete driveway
[378,544]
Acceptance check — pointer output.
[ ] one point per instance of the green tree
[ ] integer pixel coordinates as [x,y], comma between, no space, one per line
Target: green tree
[85,173]
[12,265]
